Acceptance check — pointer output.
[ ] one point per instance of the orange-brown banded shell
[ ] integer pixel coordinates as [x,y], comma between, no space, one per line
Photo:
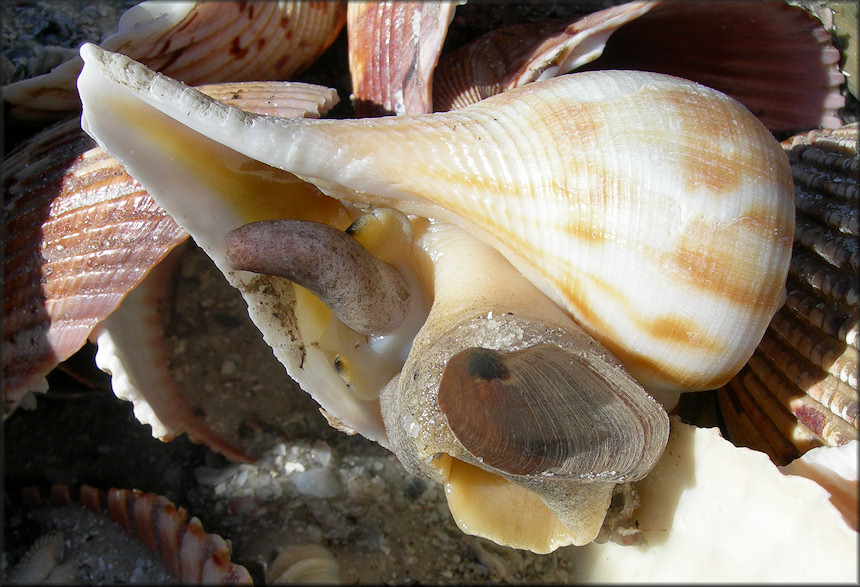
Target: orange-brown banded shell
[189,554]
[799,389]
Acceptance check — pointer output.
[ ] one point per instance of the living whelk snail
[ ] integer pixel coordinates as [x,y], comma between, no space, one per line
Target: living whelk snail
[669,250]
[545,417]
[545,407]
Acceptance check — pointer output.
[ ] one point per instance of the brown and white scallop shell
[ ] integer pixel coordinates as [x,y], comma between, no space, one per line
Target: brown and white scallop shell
[775,59]
[393,49]
[799,389]
[197,42]
[189,554]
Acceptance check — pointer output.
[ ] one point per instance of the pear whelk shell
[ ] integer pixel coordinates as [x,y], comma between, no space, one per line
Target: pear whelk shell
[197,42]
[750,51]
[728,197]
[799,389]
[81,233]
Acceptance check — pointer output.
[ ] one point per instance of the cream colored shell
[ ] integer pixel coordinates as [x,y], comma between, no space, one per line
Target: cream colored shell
[657,211]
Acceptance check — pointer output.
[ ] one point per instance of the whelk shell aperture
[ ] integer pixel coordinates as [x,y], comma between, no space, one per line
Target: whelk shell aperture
[81,233]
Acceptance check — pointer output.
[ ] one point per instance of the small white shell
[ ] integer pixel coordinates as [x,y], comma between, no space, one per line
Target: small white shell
[304,564]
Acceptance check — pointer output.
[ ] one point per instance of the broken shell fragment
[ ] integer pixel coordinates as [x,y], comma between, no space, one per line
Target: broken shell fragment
[749,50]
[188,553]
[673,255]
[393,48]
[710,508]
[196,42]
[799,389]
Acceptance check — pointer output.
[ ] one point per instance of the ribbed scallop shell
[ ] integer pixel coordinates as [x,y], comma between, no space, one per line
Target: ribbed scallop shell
[799,389]
[775,59]
[81,233]
[393,48]
[199,42]
[189,553]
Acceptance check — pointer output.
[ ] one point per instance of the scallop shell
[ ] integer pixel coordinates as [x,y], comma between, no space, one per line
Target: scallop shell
[307,563]
[81,233]
[197,42]
[189,554]
[799,389]
[393,48]
[751,51]
[566,252]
